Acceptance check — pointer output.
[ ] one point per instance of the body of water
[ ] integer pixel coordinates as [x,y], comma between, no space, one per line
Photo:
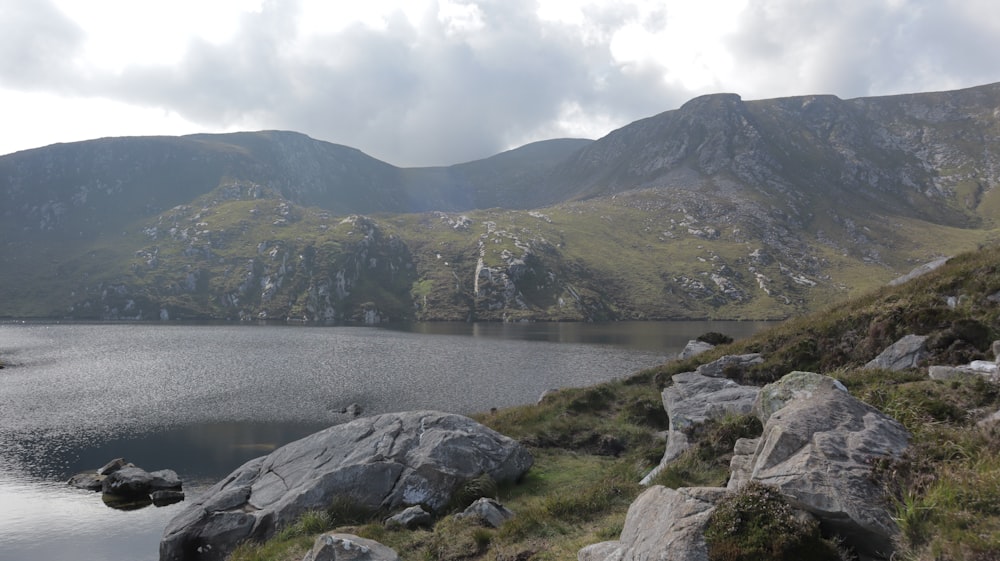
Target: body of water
[203,399]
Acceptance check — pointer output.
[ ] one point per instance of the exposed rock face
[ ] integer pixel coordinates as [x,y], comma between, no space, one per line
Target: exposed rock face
[662,524]
[903,354]
[816,447]
[348,547]
[694,399]
[382,462]
[919,271]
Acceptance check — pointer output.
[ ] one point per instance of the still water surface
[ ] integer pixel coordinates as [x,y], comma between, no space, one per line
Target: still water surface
[203,399]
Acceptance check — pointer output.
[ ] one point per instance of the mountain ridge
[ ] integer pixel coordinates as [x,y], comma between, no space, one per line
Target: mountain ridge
[722,208]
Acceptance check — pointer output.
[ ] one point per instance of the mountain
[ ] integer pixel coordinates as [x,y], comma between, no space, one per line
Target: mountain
[723,208]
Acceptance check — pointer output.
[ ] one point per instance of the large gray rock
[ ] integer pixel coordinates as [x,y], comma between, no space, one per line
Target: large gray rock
[411,517]
[693,399]
[816,449]
[903,354]
[382,462]
[662,524]
[348,547]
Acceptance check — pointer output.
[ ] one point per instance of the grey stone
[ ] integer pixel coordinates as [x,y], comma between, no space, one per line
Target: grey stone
[410,518]
[164,479]
[920,271]
[166,497]
[90,481]
[382,462]
[719,367]
[112,466]
[694,348]
[348,547]
[487,512]
[662,524]
[989,419]
[903,354]
[127,481]
[816,447]
[693,399]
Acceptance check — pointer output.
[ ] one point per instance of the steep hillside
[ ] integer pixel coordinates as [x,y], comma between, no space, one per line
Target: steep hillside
[723,208]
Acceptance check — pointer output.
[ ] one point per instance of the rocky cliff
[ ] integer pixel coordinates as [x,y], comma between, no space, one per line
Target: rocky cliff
[722,208]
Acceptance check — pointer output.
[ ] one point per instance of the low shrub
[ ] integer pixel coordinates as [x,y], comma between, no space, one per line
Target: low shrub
[757,524]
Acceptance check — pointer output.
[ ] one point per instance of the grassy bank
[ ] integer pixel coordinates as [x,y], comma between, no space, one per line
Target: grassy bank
[592,445]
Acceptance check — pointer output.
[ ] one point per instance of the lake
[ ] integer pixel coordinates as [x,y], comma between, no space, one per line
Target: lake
[203,399]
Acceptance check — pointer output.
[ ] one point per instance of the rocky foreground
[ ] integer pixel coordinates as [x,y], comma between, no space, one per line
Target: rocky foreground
[817,453]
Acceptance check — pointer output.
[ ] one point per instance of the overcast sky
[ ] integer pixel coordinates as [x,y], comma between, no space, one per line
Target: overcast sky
[425,83]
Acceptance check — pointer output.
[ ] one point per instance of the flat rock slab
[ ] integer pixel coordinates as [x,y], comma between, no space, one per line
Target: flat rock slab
[384,462]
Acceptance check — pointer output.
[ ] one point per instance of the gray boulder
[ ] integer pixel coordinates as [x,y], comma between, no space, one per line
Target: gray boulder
[382,462]
[348,547]
[903,354]
[410,518]
[693,399]
[662,524]
[164,479]
[487,512]
[730,363]
[128,481]
[694,348]
[816,447]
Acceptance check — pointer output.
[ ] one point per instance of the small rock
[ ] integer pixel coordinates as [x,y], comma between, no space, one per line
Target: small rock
[488,512]
[348,547]
[693,348]
[164,479]
[128,482]
[413,517]
[112,466]
[354,410]
[730,363]
[89,481]
[903,354]
[166,497]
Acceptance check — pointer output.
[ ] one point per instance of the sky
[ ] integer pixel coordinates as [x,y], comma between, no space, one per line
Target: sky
[424,82]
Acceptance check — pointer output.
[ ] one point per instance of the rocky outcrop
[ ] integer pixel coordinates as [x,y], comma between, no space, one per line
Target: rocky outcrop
[382,462]
[128,487]
[816,448]
[729,365]
[903,354]
[662,524]
[348,547]
[693,399]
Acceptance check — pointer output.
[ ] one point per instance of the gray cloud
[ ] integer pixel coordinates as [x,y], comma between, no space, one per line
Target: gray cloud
[37,44]
[422,93]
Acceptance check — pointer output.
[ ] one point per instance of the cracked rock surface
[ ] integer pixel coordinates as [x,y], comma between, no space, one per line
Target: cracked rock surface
[386,461]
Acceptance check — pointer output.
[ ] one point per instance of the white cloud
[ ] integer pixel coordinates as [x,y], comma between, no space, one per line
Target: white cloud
[441,81]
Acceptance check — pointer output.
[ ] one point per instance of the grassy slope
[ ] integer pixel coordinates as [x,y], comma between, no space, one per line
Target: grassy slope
[946,490]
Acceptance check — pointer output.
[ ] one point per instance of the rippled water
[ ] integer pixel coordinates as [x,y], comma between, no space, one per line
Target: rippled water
[203,399]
